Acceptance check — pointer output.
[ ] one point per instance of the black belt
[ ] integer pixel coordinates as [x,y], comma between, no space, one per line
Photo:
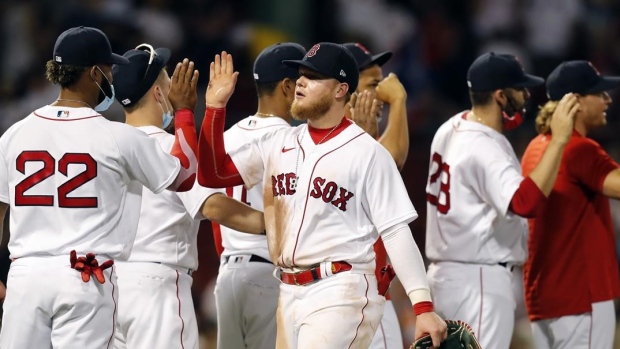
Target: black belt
[253,258]
[505,265]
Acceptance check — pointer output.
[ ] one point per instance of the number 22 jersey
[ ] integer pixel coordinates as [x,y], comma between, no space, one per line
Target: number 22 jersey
[73,181]
[473,176]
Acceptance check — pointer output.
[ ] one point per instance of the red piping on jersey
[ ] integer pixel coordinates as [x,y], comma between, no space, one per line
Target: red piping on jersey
[303,152]
[383,334]
[365,305]
[182,322]
[114,313]
[308,192]
[56,119]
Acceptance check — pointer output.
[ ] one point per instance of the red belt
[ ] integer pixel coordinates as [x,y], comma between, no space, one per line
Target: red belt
[307,276]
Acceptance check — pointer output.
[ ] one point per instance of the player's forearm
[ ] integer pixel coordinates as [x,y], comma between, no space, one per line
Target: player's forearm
[216,169]
[546,171]
[409,266]
[396,136]
[233,214]
[185,148]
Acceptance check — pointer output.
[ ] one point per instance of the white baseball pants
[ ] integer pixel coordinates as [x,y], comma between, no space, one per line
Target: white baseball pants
[481,295]
[48,305]
[595,330]
[388,335]
[340,311]
[155,308]
[246,296]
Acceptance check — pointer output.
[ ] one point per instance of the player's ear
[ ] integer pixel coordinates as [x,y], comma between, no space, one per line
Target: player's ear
[500,96]
[288,87]
[342,90]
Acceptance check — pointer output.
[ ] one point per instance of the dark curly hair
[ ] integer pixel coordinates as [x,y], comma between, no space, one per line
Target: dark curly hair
[64,75]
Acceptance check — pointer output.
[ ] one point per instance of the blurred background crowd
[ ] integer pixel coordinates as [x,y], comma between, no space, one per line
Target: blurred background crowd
[434,42]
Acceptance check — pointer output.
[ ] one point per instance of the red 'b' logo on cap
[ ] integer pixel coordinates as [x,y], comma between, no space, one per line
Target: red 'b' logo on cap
[313,50]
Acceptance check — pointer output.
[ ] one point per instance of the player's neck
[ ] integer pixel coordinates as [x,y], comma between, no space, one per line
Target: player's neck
[330,119]
[581,128]
[489,116]
[270,107]
[74,99]
[148,115]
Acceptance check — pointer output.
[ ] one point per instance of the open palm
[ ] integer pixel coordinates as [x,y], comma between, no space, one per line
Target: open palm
[222,80]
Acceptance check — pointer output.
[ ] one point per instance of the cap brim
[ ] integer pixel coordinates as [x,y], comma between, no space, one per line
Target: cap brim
[117,59]
[381,58]
[606,83]
[529,81]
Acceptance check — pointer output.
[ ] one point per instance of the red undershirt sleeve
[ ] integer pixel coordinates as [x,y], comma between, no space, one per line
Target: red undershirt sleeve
[528,201]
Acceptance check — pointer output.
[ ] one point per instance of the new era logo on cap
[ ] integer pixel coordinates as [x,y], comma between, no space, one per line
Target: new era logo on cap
[126,101]
[342,73]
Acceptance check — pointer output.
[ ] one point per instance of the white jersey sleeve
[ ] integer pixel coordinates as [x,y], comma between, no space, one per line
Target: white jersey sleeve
[250,159]
[194,199]
[4,179]
[386,200]
[145,160]
[494,175]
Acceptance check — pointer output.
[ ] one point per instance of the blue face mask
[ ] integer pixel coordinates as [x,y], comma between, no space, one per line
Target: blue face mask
[166,115]
[106,92]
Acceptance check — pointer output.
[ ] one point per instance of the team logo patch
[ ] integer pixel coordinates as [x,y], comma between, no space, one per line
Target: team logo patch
[62,114]
[126,101]
[313,50]
[58,59]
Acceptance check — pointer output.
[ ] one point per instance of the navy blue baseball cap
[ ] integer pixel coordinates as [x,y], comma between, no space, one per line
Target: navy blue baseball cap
[268,66]
[364,58]
[85,46]
[331,60]
[133,80]
[578,77]
[495,71]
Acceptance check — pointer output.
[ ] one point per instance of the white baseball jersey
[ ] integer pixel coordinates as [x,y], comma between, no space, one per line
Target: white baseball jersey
[73,181]
[473,176]
[169,221]
[347,191]
[243,132]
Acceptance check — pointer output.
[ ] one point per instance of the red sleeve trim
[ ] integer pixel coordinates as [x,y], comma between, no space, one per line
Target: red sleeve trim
[216,169]
[528,201]
[423,307]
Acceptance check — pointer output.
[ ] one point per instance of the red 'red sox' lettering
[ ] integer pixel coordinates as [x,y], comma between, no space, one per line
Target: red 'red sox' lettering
[327,192]
[283,184]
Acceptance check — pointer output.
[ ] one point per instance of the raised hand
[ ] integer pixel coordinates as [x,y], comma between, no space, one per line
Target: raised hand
[391,90]
[182,94]
[433,325]
[563,118]
[222,80]
[364,111]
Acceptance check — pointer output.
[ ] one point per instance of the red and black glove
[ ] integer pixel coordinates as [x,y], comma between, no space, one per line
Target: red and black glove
[387,275]
[89,265]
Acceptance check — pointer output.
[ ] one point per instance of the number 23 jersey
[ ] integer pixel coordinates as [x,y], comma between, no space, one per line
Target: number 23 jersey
[473,176]
[73,181]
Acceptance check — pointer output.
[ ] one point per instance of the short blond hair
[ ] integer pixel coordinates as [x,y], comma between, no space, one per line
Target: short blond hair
[543,119]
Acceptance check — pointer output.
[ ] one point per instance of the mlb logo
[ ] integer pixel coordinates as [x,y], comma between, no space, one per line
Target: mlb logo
[252,123]
[126,101]
[62,114]
[58,59]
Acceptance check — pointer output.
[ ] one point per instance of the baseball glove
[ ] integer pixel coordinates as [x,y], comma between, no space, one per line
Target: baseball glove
[460,336]
[88,265]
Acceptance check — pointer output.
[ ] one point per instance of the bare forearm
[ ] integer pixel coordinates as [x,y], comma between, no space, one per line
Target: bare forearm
[233,214]
[396,136]
[546,171]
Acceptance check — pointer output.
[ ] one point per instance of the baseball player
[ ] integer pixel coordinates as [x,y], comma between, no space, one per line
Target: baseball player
[571,274]
[373,90]
[477,197]
[245,282]
[157,275]
[330,190]
[73,181]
